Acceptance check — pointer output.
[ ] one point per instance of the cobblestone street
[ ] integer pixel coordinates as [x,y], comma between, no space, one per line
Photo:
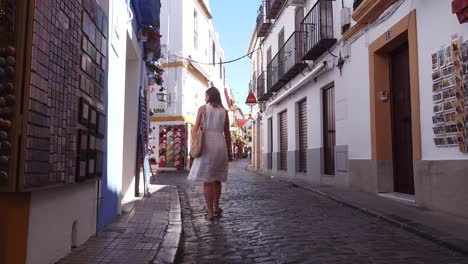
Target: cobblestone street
[267,221]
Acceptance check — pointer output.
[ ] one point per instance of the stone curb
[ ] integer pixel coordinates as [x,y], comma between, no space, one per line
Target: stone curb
[399,223]
[170,247]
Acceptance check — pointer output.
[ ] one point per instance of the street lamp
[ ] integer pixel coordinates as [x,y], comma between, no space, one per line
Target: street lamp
[163,96]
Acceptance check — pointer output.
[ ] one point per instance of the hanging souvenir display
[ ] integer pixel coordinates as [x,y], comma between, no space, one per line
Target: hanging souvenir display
[450,95]
[172,146]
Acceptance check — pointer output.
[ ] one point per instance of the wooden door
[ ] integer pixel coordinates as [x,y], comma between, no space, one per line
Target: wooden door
[270,70]
[299,34]
[281,55]
[283,131]
[328,97]
[401,121]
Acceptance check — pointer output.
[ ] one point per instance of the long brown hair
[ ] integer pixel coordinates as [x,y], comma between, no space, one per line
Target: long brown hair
[214,97]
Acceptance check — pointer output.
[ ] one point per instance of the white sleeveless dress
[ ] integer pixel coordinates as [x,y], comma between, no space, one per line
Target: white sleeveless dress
[212,165]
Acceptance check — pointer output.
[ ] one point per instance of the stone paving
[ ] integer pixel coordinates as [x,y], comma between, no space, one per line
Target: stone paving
[266,221]
[149,232]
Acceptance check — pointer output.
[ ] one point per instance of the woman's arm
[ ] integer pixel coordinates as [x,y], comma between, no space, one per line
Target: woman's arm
[200,113]
[227,135]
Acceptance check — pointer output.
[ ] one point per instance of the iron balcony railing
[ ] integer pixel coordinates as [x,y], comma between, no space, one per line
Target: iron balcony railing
[263,24]
[318,28]
[273,8]
[287,62]
[261,91]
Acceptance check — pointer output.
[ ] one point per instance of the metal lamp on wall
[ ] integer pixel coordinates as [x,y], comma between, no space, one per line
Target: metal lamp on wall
[163,96]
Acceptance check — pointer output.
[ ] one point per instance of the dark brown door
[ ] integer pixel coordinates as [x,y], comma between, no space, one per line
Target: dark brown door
[329,130]
[299,33]
[283,131]
[270,144]
[302,128]
[401,122]
[281,54]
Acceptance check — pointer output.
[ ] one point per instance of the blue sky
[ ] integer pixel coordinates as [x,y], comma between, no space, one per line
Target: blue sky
[235,22]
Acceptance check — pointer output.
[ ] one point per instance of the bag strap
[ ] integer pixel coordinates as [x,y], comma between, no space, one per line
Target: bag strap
[201,125]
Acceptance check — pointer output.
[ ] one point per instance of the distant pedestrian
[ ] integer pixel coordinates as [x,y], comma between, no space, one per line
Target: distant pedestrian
[236,152]
[212,166]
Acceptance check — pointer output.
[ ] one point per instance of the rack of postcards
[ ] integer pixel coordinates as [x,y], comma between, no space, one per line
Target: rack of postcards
[450,95]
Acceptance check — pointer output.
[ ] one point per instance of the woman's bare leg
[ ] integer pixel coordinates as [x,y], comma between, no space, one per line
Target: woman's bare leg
[208,189]
[217,195]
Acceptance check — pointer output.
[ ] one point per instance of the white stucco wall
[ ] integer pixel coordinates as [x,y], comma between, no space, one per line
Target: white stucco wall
[171,24]
[51,219]
[310,90]
[432,33]
[116,96]
[131,107]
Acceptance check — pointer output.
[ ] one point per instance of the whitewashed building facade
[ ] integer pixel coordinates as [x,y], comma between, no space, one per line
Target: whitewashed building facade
[192,61]
[337,113]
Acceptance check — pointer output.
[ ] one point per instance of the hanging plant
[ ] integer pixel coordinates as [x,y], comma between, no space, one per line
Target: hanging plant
[149,33]
[157,69]
[158,79]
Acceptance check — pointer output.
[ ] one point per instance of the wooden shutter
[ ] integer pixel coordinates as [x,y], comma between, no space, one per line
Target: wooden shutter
[283,126]
[329,130]
[302,129]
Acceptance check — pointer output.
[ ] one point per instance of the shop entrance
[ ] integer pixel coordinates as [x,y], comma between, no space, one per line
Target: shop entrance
[403,180]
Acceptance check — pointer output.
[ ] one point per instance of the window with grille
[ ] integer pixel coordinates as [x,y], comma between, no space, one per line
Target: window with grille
[328,97]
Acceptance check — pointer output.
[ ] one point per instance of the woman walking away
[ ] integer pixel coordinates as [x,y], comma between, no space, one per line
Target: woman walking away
[211,166]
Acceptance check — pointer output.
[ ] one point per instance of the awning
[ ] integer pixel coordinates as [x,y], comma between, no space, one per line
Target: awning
[147,11]
[241,122]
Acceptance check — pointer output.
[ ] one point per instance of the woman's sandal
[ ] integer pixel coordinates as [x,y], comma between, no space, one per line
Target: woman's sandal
[209,218]
[217,213]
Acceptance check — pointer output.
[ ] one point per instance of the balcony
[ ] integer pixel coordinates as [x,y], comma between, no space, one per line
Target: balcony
[318,28]
[287,62]
[273,8]
[260,89]
[365,13]
[263,24]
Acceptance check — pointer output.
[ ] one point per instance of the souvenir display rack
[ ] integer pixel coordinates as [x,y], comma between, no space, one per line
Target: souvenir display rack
[450,95]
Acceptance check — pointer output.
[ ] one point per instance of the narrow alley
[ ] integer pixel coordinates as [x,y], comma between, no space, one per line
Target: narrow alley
[268,221]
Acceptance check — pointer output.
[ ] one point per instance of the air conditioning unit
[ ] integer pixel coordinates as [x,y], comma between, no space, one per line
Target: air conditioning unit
[298,2]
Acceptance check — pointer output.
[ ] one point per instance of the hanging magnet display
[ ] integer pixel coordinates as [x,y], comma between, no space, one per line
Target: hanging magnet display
[172,146]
